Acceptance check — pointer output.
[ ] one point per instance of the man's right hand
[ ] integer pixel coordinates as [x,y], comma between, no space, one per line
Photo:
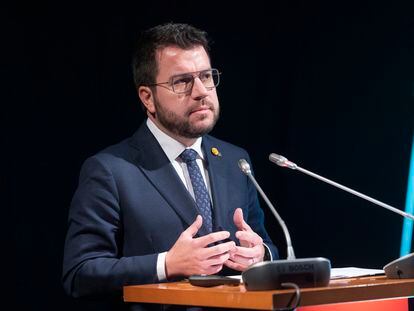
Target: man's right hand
[191,255]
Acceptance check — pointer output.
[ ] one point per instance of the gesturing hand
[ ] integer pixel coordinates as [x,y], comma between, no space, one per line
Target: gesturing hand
[251,249]
[191,255]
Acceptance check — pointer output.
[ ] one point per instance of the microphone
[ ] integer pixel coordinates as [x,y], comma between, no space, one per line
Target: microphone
[283,162]
[245,167]
[400,268]
[305,272]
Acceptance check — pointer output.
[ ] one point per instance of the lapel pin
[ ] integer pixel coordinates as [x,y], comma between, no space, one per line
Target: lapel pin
[215,152]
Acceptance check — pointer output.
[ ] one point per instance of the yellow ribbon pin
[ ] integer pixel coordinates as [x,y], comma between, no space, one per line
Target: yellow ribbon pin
[215,152]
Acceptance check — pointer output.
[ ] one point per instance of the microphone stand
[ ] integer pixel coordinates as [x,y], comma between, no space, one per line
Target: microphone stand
[246,169]
[291,272]
[400,268]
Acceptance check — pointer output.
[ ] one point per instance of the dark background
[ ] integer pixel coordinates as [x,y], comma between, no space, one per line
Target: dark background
[328,85]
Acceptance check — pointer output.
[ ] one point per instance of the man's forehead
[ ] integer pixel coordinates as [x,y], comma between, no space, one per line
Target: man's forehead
[171,53]
[173,60]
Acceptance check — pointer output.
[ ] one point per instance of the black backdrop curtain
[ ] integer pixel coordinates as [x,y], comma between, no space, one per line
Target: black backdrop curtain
[328,85]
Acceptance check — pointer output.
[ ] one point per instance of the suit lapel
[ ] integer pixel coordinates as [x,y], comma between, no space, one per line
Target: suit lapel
[152,161]
[219,184]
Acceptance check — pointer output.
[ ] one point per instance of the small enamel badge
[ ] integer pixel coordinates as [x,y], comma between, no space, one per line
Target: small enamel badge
[215,152]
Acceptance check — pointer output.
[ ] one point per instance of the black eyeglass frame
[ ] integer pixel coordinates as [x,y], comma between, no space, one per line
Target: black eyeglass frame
[194,74]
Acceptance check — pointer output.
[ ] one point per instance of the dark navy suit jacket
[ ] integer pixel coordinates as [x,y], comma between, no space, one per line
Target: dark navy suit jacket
[131,205]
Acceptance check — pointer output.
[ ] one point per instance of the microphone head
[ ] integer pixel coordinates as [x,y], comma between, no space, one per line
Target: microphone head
[277,159]
[244,166]
[281,161]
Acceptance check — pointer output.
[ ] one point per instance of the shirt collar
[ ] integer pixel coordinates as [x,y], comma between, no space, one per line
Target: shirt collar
[169,145]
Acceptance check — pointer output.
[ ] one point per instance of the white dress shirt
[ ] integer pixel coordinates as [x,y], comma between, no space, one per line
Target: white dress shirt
[173,149]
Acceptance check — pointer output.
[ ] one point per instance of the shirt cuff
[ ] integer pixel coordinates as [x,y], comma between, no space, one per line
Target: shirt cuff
[161,267]
[268,254]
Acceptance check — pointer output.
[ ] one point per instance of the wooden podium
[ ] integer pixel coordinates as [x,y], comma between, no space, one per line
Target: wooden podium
[237,297]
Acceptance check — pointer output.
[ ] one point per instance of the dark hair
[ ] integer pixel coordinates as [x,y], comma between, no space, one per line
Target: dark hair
[144,64]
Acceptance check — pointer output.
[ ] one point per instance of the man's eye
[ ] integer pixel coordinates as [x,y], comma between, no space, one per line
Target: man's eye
[182,80]
[204,76]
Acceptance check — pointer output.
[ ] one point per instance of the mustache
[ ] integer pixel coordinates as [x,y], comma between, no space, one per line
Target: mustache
[202,103]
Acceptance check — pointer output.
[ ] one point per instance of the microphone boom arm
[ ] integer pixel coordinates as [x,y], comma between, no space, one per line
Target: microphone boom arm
[400,268]
[282,161]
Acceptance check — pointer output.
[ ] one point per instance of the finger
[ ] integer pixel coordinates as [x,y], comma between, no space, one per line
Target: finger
[243,260]
[257,253]
[239,221]
[211,269]
[249,237]
[217,250]
[194,227]
[211,238]
[247,252]
[235,266]
[218,260]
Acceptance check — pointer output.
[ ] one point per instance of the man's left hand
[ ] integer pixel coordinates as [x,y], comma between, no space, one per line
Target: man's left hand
[251,249]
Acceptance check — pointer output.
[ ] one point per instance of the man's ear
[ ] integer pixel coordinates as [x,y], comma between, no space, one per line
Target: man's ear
[147,98]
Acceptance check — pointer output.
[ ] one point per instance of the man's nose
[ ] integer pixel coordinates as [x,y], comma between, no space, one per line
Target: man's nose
[198,91]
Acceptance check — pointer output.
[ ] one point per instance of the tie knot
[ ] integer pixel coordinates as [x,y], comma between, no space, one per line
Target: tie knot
[189,155]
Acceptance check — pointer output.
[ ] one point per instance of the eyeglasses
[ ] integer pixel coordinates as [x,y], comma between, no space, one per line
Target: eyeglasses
[183,83]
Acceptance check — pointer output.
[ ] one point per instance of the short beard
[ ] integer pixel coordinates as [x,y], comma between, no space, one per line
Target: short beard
[183,128]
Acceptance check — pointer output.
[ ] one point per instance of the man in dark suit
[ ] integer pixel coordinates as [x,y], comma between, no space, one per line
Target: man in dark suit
[170,201]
